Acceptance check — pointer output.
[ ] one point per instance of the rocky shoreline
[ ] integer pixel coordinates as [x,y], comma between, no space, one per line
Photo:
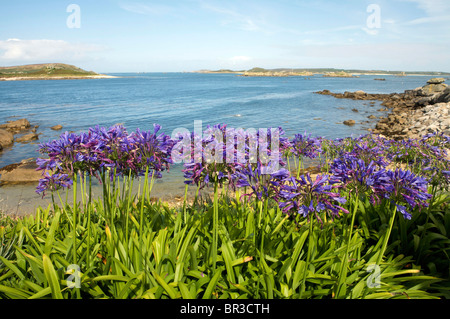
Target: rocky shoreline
[413,113]
[20,131]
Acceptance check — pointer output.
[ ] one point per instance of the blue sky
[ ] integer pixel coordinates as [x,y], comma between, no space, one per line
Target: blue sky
[188,35]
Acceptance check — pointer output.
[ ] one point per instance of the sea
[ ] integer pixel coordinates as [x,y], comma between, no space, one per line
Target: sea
[177,100]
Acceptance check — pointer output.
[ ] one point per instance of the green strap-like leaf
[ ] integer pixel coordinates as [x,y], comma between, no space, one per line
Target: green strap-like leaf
[52,277]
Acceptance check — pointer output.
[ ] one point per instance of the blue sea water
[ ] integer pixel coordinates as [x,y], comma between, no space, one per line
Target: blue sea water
[176,100]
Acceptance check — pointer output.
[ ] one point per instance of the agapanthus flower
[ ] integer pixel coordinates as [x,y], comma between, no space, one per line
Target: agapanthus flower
[306,196]
[150,149]
[101,150]
[304,145]
[259,181]
[361,178]
[221,151]
[207,157]
[53,183]
[408,190]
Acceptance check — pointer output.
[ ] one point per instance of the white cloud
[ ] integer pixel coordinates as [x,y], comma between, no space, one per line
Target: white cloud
[434,19]
[433,7]
[242,21]
[44,49]
[436,11]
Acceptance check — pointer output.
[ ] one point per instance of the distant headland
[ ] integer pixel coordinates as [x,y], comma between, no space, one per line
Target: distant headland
[47,71]
[326,72]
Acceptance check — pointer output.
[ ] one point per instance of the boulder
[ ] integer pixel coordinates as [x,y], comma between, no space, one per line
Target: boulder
[17,125]
[56,127]
[431,89]
[443,97]
[436,81]
[27,138]
[24,172]
[349,122]
[6,138]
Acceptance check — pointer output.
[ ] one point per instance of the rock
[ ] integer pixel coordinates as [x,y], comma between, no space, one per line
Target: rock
[20,173]
[6,138]
[27,138]
[355,110]
[412,113]
[16,126]
[431,89]
[436,81]
[443,97]
[349,122]
[56,127]
[348,95]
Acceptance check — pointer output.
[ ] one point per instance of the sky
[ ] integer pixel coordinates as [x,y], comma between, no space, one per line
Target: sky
[111,36]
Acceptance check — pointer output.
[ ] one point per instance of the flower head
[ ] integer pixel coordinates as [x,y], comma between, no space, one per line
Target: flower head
[306,196]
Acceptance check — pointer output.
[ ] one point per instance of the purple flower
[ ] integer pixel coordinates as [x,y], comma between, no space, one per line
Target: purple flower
[220,152]
[359,177]
[306,196]
[408,189]
[101,149]
[53,183]
[305,145]
[260,183]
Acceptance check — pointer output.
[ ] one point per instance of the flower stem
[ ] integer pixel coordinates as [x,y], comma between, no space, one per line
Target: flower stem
[340,291]
[74,218]
[215,224]
[308,257]
[386,237]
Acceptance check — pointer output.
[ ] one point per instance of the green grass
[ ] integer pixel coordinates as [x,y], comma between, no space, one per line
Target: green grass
[44,70]
[220,248]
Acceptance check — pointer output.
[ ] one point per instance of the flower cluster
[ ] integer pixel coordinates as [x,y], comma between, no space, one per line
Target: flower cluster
[401,187]
[306,196]
[408,189]
[358,176]
[223,153]
[53,183]
[254,160]
[305,145]
[262,183]
[102,149]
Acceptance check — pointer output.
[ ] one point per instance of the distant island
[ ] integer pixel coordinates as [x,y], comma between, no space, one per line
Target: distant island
[47,71]
[326,72]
